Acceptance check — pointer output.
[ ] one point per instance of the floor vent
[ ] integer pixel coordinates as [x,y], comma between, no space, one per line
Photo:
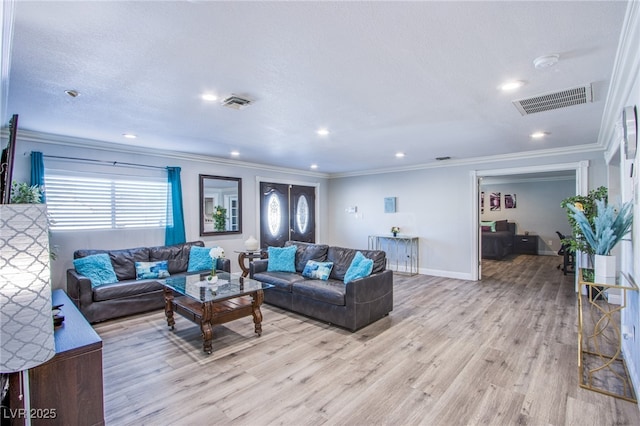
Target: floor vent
[236,102]
[555,100]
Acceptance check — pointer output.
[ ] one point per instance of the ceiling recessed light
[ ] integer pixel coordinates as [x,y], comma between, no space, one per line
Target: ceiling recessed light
[546,61]
[314,166]
[322,132]
[399,154]
[539,135]
[72,93]
[209,97]
[235,153]
[511,85]
[129,135]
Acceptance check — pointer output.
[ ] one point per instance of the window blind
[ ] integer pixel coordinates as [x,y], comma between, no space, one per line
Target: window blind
[77,200]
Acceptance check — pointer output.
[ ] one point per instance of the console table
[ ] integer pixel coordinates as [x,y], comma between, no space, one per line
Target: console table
[402,251]
[601,367]
[67,389]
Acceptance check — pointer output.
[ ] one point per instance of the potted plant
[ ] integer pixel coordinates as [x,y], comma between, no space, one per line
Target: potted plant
[219,218]
[587,204]
[609,225]
[21,193]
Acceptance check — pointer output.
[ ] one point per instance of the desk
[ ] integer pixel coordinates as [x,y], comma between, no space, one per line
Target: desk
[250,255]
[601,367]
[402,251]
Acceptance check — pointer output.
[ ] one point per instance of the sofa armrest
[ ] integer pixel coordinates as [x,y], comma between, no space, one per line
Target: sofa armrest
[370,288]
[258,266]
[79,289]
[223,264]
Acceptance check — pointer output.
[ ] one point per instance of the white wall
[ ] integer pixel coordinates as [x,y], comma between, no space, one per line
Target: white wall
[537,209]
[627,85]
[69,241]
[434,204]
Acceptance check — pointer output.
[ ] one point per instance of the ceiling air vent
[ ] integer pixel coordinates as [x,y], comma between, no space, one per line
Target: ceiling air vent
[236,102]
[555,100]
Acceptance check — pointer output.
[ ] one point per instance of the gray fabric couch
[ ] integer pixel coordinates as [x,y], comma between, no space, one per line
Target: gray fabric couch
[129,296]
[352,306]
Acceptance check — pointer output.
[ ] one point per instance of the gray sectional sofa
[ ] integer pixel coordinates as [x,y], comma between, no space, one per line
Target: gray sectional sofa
[129,295]
[352,305]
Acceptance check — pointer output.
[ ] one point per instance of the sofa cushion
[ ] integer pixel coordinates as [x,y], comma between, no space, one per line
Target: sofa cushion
[199,259]
[123,261]
[281,259]
[317,270]
[280,280]
[176,255]
[148,270]
[308,251]
[342,258]
[332,292]
[97,268]
[125,289]
[360,267]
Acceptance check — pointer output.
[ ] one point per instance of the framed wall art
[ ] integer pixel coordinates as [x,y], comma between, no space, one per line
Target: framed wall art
[390,204]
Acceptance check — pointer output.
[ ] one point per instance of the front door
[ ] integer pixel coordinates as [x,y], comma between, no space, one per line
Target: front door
[287,212]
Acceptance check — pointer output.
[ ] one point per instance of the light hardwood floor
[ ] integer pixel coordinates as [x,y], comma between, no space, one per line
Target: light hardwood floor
[500,351]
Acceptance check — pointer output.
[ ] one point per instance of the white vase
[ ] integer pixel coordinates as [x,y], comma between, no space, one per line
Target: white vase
[604,269]
[251,244]
[212,279]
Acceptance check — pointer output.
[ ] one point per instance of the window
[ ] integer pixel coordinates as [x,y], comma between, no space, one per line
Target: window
[81,200]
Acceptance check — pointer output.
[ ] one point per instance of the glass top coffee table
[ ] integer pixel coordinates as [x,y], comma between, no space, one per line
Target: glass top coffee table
[209,304]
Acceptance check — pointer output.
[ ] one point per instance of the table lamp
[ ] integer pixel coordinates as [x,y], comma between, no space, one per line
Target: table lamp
[26,324]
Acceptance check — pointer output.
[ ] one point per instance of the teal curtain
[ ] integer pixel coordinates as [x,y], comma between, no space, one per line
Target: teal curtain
[174,234]
[37,170]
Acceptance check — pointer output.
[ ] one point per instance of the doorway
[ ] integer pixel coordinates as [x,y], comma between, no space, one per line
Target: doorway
[580,169]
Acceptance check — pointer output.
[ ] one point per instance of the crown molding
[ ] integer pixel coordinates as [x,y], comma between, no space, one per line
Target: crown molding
[544,153]
[43,138]
[626,69]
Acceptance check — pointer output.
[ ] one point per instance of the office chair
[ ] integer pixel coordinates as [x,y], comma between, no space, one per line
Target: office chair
[568,262]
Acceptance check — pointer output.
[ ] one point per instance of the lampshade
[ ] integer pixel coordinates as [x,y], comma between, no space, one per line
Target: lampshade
[26,325]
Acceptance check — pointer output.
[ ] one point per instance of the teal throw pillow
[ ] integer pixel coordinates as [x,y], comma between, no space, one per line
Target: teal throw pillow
[97,268]
[282,259]
[360,267]
[149,270]
[317,270]
[199,259]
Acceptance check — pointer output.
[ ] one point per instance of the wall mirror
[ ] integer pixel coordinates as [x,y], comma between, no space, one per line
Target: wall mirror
[220,205]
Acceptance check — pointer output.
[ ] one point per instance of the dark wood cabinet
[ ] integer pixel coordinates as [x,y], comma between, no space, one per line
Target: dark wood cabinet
[68,389]
[525,244]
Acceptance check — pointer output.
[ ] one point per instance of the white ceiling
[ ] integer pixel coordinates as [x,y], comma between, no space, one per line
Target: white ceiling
[383,77]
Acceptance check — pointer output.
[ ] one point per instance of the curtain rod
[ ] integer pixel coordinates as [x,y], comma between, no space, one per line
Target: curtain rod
[112,163]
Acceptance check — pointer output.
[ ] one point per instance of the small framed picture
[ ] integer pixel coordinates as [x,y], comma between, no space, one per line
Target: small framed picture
[509,201]
[390,204]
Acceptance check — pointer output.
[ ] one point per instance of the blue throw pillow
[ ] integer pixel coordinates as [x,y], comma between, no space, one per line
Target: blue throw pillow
[97,268]
[148,270]
[360,267]
[317,270]
[199,259]
[282,259]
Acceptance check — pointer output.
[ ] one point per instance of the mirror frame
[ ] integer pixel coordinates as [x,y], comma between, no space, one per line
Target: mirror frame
[203,179]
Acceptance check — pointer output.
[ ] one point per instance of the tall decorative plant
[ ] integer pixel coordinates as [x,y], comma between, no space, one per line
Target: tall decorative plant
[609,225]
[587,205]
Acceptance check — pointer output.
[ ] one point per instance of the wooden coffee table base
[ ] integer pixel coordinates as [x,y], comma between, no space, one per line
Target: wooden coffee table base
[211,313]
